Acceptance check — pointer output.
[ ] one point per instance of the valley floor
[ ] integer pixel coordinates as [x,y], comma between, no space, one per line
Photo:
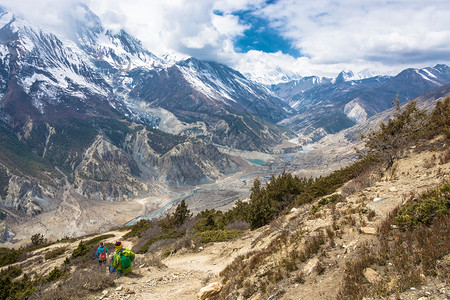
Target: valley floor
[75,216]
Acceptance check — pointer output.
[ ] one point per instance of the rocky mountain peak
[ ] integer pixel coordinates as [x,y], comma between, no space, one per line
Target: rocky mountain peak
[349,75]
[87,26]
[344,76]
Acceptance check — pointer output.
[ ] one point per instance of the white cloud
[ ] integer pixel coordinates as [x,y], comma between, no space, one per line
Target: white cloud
[332,35]
[369,32]
[228,25]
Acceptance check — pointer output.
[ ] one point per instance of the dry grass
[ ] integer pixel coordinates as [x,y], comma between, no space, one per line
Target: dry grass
[364,180]
[149,260]
[403,257]
[276,263]
[371,214]
[77,286]
[445,157]
[429,162]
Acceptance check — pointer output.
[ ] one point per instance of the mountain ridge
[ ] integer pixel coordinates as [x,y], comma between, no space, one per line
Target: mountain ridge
[332,107]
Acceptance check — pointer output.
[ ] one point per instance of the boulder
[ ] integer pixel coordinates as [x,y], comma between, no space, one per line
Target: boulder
[310,266]
[209,290]
[369,230]
[372,276]
[257,297]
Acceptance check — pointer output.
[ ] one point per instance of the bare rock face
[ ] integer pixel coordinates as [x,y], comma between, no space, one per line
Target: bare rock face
[195,162]
[209,290]
[108,173]
[27,194]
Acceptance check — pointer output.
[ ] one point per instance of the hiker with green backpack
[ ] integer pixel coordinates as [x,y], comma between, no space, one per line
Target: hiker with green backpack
[122,261]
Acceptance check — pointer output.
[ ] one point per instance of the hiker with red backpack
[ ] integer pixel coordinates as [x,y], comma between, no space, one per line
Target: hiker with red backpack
[102,253]
[122,261]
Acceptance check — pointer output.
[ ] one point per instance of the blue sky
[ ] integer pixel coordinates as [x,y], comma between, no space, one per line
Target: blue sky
[261,37]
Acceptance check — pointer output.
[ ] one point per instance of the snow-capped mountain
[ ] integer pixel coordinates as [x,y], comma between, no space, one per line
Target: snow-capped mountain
[342,103]
[219,82]
[171,57]
[83,108]
[43,66]
[118,51]
[349,75]
[270,75]
[131,70]
[219,103]
[115,68]
[287,90]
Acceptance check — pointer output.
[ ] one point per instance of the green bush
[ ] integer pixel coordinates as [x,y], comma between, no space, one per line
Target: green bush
[209,219]
[55,274]
[268,202]
[55,253]
[19,289]
[329,200]
[423,210]
[81,250]
[440,122]
[138,228]
[38,239]
[176,219]
[15,289]
[325,201]
[11,272]
[8,256]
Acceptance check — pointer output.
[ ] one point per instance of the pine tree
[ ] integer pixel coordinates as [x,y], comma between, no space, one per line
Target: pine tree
[398,133]
[181,214]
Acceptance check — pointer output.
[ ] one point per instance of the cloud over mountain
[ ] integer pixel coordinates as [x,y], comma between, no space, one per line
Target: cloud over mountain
[321,37]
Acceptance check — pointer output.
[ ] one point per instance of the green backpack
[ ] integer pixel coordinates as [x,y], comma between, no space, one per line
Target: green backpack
[125,260]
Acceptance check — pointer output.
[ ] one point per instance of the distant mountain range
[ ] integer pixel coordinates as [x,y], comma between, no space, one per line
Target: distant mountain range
[326,105]
[95,110]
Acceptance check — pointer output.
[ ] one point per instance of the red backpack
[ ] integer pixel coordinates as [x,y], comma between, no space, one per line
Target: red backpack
[102,256]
